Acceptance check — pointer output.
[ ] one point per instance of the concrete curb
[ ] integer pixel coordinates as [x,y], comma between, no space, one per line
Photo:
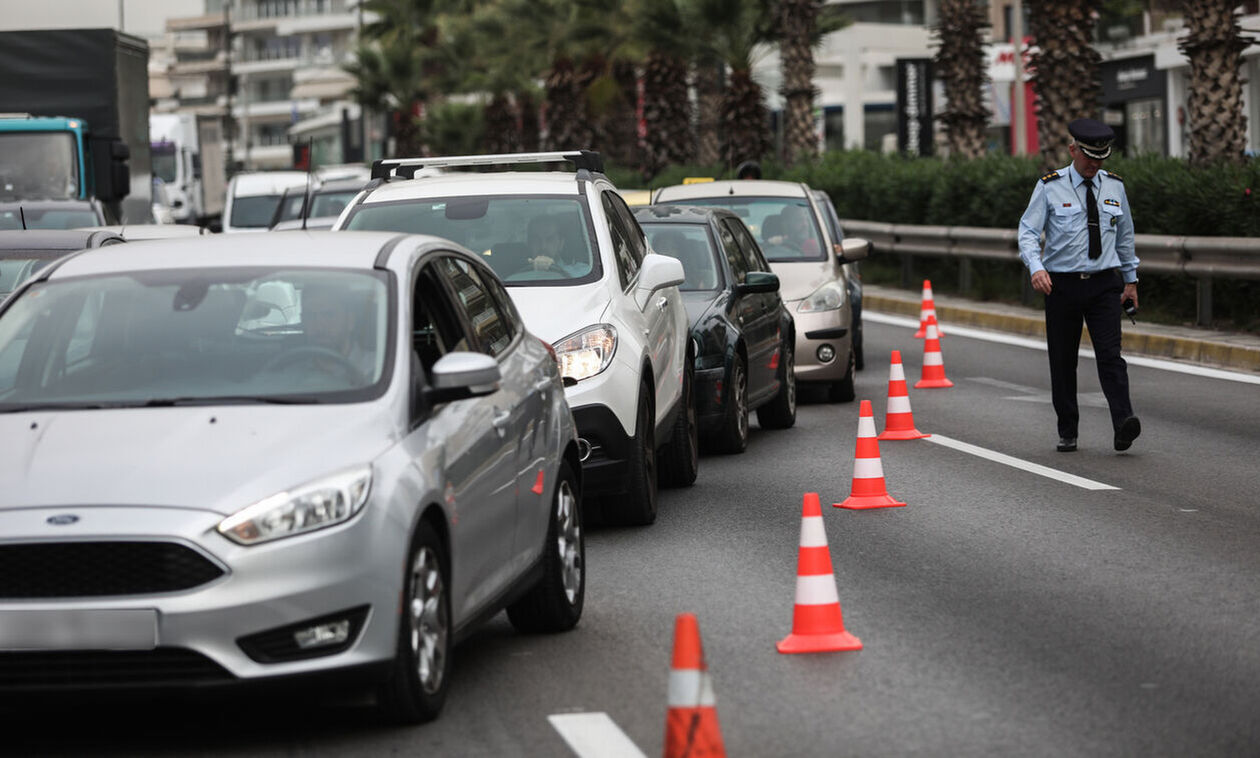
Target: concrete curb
[1240,352]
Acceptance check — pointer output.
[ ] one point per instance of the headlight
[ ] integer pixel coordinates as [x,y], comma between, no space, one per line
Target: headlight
[588,352]
[321,503]
[828,297]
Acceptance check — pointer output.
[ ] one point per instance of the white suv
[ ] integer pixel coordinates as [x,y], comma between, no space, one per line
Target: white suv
[578,267]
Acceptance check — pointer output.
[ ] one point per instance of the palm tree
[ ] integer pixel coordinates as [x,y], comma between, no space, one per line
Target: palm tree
[796,22]
[960,62]
[730,31]
[1065,65]
[1214,45]
[659,27]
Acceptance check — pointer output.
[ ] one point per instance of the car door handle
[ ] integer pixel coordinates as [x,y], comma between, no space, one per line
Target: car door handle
[544,384]
[501,419]
[662,303]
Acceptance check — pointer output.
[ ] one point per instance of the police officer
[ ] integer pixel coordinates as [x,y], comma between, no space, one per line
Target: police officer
[1088,268]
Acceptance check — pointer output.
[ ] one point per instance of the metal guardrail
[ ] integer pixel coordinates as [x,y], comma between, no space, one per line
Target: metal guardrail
[1200,258]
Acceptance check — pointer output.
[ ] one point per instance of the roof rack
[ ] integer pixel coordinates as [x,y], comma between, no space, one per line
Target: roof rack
[406,167]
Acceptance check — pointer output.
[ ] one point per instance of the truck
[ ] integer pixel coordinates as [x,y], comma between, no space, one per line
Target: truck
[187,154]
[77,120]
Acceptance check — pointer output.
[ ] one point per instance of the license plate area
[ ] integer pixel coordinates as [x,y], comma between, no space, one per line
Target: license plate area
[79,629]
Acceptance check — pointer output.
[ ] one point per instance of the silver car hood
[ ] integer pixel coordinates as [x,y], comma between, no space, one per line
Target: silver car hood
[799,280]
[215,458]
[553,313]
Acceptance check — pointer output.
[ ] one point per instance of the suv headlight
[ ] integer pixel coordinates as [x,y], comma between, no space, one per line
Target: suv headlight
[312,506]
[828,297]
[588,352]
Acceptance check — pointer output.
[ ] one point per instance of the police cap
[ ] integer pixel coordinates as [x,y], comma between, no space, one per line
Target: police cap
[1093,136]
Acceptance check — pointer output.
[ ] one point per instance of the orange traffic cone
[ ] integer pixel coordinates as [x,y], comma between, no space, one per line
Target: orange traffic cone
[927,308]
[691,725]
[817,624]
[899,421]
[869,490]
[933,363]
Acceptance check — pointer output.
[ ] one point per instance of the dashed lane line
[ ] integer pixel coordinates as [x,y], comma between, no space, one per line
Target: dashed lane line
[1019,463]
[1007,339]
[594,735]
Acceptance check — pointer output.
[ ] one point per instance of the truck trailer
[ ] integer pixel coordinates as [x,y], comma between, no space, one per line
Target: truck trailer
[187,154]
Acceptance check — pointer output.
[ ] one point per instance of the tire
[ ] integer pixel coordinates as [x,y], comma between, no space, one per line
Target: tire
[732,435]
[555,603]
[780,413]
[844,390]
[637,506]
[416,687]
[679,461]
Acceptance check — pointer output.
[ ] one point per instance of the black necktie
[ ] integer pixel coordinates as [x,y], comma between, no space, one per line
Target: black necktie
[1091,213]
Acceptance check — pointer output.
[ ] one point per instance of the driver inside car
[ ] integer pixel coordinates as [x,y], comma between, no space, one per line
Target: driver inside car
[546,243]
[330,325]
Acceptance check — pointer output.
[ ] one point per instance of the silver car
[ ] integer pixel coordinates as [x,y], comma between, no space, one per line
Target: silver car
[243,458]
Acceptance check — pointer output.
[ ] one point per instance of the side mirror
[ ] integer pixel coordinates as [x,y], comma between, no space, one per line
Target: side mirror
[658,272]
[853,249]
[758,281]
[461,375]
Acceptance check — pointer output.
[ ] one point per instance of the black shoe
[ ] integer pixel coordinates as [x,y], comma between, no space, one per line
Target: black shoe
[1066,445]
[1128,431]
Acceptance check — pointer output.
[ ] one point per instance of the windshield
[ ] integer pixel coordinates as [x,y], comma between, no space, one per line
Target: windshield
[14,271]
[784,226]
[693,246]
[71,215]
[331,203]
[528,241]
[255,211]
[38,165]
[192,336]
[164,161]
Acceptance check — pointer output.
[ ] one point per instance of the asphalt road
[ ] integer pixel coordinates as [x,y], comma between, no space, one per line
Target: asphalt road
[1003,612]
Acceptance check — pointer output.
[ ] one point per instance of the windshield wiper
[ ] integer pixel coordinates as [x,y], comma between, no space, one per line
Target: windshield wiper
[163,402]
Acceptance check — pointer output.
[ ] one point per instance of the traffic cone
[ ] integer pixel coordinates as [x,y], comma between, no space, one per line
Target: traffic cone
[817,624]
[927,307]
[933,363]
[691,725]
[899,421]
[869,490]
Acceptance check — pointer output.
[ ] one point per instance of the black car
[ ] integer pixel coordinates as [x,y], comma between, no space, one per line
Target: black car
[855,275]
[22,253]
[743,335]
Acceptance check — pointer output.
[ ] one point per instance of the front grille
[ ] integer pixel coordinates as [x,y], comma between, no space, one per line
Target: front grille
[108,668]
[95,569]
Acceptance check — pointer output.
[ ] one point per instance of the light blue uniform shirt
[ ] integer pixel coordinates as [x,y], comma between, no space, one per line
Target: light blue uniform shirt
[1058,208]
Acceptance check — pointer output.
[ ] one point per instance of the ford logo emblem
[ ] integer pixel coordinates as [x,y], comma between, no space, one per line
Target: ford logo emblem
[63,520]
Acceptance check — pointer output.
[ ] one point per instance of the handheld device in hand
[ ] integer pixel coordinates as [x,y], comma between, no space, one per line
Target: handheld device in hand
[1130,309]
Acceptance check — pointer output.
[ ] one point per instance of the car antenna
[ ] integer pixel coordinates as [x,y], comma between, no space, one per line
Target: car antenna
[22,215]
[306,200]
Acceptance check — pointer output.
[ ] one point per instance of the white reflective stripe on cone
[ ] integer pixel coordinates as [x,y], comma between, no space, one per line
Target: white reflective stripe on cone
[896,374]
[932,332]
[933,359]
[816,589]
[866,426]
[867,468]
[899,404]
[691,688]
[813,533]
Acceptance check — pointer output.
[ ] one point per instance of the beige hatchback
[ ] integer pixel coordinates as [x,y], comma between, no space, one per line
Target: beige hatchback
[810,265]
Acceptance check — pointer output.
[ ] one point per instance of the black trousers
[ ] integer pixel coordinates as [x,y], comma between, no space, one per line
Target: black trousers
[1096,303]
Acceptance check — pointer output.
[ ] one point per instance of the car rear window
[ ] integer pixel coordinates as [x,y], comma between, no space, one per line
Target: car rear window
[528,241]
[785,227]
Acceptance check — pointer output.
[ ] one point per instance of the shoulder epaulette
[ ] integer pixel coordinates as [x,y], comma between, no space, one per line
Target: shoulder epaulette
[1115,176]
[1050,177]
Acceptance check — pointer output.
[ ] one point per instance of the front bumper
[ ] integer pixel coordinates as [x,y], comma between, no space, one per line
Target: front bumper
[831,328]
[263,587]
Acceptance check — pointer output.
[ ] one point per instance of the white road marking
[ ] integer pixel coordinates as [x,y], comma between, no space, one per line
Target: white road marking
[594,735]
[1040,344]
[1034,395]
[1019,463]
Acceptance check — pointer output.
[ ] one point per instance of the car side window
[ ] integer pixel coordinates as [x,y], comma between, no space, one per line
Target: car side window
[627,265]
[733,254]
[435,330]
[507,309]
[490,332]
[634,232]
[748,246]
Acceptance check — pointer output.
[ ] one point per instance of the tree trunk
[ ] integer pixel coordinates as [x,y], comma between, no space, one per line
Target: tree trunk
[502,129]
[745,119]
[666,112]
[960,62]
[567,127]
[1065,66]
[796,23]
[708,77]
[527,115]
[1217,121]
